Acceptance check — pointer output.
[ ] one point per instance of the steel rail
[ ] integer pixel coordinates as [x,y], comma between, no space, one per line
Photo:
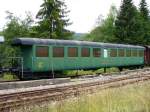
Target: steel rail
[13,100]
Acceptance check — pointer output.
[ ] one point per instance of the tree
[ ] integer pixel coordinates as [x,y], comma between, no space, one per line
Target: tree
[53,19]
[1,33]
[144,12]
[128,25]
[104,32]
[17,27]
[13,29]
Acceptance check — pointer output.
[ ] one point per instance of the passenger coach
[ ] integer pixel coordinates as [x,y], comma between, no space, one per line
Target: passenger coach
[47,55]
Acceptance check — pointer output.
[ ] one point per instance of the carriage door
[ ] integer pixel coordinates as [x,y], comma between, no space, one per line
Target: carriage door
[41,60]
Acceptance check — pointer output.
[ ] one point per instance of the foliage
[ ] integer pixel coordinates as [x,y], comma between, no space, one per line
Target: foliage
[14,28]
[128,25]
[144,10]
[104,32]
[17,27]
[7,52]
[79,36]
[1,33]
[53,20]
[90,72]
[9,77]
[144,13]
[78,72]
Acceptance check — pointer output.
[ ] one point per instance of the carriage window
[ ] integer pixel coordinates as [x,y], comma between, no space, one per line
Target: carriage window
[85,52]
[58,51]
[141,53]
[121,53]
[113,53]
[72,52]
[42,51]
[134,53]
[96,52]
[128,53]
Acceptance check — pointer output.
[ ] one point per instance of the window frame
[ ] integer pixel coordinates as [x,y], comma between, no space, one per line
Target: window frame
[36,53]
[55,55]
[139,53]
[68,53]
[127,53]
[121,52]
[94,53]
[89,52]
[133,53]
[116,52]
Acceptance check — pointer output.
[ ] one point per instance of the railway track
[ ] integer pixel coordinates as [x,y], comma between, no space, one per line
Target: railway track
[58,92]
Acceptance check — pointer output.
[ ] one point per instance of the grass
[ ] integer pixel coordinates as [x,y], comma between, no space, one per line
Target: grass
[132,98]
[90,72]
[8,77]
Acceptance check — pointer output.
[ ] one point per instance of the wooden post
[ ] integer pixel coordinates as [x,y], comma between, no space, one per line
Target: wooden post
[104,70]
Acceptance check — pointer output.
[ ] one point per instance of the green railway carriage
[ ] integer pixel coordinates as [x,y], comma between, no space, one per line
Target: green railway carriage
[45,55]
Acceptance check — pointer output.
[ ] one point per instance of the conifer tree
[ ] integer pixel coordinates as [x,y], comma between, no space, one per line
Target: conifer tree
[127,24]
[53,19]
[144,12]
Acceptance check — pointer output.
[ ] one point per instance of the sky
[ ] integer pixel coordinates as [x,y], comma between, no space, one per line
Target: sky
[83,13]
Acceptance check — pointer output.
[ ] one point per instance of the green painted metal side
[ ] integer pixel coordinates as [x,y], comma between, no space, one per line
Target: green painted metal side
[27,54]
[67,63]
[40,64]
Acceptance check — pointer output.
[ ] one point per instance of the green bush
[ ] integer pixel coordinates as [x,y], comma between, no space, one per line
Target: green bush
[9,77]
